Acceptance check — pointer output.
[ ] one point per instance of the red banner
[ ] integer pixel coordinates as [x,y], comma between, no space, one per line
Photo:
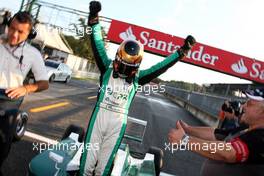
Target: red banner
[201,55]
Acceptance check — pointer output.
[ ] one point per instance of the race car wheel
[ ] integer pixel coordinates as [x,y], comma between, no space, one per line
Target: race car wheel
[20,125]
[74,129]
[72,173]
[158,158]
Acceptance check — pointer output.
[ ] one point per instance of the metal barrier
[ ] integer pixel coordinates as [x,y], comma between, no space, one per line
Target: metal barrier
[208,103]
[207,106]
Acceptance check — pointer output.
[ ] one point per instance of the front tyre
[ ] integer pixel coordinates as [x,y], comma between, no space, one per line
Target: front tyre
[20,125]
[74,129]
[158,158]
[52,78]
[67,80]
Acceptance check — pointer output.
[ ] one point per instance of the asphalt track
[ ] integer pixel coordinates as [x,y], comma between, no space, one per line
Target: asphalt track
[53,110]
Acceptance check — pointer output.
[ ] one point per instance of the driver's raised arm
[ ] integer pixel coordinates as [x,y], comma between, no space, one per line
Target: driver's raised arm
[97,41]
[145,76]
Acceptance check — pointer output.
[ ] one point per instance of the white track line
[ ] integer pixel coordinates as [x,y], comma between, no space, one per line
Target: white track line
[40,138]
[92,97]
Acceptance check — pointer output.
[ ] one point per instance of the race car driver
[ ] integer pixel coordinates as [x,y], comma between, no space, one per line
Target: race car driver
[119,81]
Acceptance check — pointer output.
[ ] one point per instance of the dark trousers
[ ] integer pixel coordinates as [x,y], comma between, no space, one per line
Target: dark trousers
[8,112]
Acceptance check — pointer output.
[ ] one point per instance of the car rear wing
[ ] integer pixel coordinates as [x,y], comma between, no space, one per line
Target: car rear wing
[135,129]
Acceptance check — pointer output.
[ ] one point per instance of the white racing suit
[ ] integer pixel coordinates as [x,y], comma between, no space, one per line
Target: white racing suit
[108,122]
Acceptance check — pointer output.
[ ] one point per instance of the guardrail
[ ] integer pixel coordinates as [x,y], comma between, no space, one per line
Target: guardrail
[203,106]
[85,74]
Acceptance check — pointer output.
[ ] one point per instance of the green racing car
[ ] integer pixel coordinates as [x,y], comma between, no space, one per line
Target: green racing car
[63,159]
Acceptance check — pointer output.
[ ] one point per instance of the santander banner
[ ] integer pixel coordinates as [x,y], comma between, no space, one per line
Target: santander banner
[201,55]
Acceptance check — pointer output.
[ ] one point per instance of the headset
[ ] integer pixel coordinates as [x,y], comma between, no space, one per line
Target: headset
[33,33]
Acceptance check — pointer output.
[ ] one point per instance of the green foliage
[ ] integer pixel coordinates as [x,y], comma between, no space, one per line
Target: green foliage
[81,42]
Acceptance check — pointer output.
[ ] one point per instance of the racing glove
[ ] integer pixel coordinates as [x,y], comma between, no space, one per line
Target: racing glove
[189,42]
[95,8]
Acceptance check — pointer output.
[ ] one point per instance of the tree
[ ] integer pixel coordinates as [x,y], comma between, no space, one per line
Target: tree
[81,45]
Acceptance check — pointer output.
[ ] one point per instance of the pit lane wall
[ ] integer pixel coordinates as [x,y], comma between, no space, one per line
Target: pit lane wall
[202,106]
[82,68]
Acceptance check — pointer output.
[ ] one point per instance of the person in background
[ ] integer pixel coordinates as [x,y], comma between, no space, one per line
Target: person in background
[17,59]
[4,21]
[242,146]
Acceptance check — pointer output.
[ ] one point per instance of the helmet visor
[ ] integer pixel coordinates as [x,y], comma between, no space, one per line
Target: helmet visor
[126,69]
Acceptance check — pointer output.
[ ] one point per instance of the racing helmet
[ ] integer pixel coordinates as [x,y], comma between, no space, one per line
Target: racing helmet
[128,58]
